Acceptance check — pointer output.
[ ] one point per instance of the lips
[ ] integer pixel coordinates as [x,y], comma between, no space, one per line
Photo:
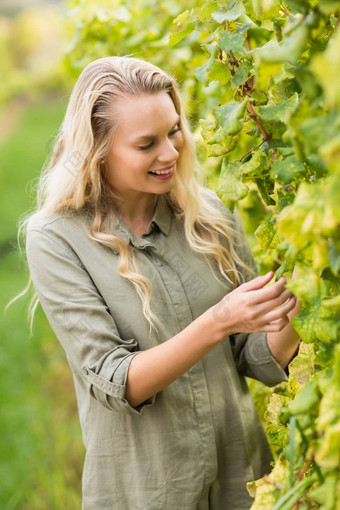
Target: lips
[167,175]
[165,169]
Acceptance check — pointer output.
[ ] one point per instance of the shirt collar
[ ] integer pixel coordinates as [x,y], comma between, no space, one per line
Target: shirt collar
[162,215]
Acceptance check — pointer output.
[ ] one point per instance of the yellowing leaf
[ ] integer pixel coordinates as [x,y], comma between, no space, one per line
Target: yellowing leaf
[302,366]
[266,235]
[326,66]
[265,491]
[328,453]
[267,8]
[230,186]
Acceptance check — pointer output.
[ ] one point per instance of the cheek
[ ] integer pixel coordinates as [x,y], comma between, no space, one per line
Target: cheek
[179,142]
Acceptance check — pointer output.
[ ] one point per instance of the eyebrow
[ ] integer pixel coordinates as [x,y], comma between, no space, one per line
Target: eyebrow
[152,137]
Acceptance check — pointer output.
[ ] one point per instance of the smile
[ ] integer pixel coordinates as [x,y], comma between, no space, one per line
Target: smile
[163,174]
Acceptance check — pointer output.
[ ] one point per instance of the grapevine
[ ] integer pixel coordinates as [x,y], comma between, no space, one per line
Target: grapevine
[271,73]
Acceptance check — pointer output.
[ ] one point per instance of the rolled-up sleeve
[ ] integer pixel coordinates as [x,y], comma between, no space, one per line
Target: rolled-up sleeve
[254,359]
[81,321]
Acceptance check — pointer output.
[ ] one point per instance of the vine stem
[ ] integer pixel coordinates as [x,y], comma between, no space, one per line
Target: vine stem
[286,12]
[235,62]
[304,469]
[255,117]
[252,150]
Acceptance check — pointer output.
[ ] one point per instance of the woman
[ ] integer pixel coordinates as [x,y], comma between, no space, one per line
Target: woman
[144,275]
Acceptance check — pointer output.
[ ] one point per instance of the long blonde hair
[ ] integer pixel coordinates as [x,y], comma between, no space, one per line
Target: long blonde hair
[84,141]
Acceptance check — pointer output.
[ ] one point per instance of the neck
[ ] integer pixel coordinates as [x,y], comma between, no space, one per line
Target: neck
[133,211]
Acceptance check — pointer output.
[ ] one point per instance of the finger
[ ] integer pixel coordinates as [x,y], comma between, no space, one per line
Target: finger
[258,282]
[268,306]
[275,327]
[269,293]
[280,312]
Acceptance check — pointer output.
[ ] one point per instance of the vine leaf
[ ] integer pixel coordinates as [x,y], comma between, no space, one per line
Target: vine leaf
[267,236]
[230,187]
[288,170]
[232,41]
[233,10]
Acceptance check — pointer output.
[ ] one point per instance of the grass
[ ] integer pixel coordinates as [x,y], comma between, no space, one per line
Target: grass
[40,442]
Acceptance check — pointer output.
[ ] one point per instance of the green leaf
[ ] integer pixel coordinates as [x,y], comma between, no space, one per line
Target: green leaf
[186,23]
[287,170]
[208,130]
[177,37]
[278,111]
[330,153]
[256,165]
[306,286]
[288,51]
[232,41]
[266,188]
[220,72]
[306,400]
[333,257]
[207,8]
[325,494]
[318,130]
[280,271]
[233,10]
[241,74]
[299,5]
[230,116]
[182,18]
[202,72]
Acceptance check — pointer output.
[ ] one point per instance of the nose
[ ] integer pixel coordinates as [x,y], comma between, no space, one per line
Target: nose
[168,152]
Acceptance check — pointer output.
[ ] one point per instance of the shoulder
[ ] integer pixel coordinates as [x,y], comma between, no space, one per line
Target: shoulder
[58,222]
[57,233]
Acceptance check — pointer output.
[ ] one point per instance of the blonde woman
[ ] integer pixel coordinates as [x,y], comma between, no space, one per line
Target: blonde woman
[146,279]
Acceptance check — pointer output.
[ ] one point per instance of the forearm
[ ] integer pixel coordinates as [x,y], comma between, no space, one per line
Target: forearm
[249,308]
[284,343]
[152,370]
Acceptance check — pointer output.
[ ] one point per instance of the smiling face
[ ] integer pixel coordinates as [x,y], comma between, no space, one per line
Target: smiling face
[145,146]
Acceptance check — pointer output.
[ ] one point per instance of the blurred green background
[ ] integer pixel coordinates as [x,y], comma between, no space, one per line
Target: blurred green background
[41,451]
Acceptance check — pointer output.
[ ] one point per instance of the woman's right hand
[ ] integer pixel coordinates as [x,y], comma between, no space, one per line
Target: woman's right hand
[252,308]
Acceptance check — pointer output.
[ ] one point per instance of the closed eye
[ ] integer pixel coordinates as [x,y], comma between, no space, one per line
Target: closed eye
[152,143]
[145,147]
[174,131]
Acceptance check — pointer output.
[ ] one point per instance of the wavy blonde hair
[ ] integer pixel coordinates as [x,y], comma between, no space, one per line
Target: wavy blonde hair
[87,130]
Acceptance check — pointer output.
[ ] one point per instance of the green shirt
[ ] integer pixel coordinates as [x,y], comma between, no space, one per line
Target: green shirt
[195,444]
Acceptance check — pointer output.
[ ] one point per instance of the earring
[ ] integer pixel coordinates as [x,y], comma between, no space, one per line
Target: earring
[102,161]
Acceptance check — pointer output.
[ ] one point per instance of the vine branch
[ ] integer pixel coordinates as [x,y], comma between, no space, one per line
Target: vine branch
[255,117]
